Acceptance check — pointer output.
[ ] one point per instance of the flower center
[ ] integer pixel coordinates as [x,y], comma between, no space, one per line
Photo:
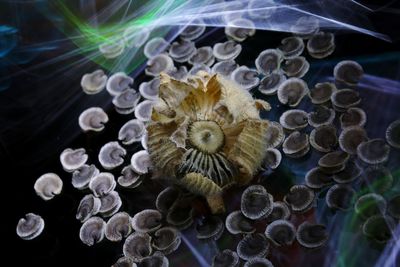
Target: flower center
[206,136]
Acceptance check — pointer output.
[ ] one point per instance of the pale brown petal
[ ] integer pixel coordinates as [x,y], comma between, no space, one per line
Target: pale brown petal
[173,91]
[246,150]
[162,150]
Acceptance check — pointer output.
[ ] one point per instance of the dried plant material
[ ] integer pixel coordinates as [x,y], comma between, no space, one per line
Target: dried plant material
[207,134]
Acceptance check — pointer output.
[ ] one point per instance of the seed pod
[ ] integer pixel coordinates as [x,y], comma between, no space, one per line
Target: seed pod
[281,233]
[88,206]
[321,116]
[340,197]
[110,204]
[118,227]
[30,227]
[111,155]
[158,259]
[270,83]
[374,151]
[225,68]
[228,50]
[300,198]
[193,30]
[203,55]
[253,246]
[296,67]
[48,186]
[292,91]
[256,202]
[269,61]
[394,207]
[136,36]
[351,137]
[93,119]
[132,131]
[379,228]
[166,239]
[92,231]
[141,162]
[159,63]
[73,159]
[296,145]
[305,26]
[353,117]
[370,204]
[102,184]
[393,134]
[82,176]
[182,50]
[93,83]
[147,221]
[321,45]
[209,228]
[345,98]
[179,73]
[317,179]
[294,119]
[350,173]
[377,179]
[118,82]
[275,134]
[258,262]
[124,262]
[126,101]
[113,49]
[322,92]
[311,235]
[323,138]
[129,178]
[348,72]
[167,198]
[334,161]
[245,77]
[239,29]
[291,47]
[181,214]
[137,246]
[155,46]
[273,158]
[226,258]
[143,110]
[237,223]
[280,211]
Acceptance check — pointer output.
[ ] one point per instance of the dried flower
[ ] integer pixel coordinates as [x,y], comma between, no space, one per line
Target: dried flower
[207,134]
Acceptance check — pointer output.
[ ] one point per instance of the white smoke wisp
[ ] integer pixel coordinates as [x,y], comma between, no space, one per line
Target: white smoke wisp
[273,15]
[390,257]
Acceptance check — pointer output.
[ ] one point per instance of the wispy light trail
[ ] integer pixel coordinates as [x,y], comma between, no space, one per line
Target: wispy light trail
[337,24]
[376,83]
[339,15]
[89,25]
[202,261]
[390,257]
[168,18]
[384,85]
[361,5]
[378,8]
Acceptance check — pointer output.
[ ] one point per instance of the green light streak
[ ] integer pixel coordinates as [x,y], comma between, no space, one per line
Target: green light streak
[354,249]
[90,37]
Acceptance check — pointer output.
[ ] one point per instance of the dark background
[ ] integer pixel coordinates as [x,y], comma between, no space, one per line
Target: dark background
[38,119]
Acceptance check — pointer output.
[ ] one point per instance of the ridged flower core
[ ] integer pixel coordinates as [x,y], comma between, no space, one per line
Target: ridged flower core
[207,136]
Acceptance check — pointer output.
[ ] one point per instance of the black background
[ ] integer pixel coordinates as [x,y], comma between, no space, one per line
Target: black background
[38,119]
